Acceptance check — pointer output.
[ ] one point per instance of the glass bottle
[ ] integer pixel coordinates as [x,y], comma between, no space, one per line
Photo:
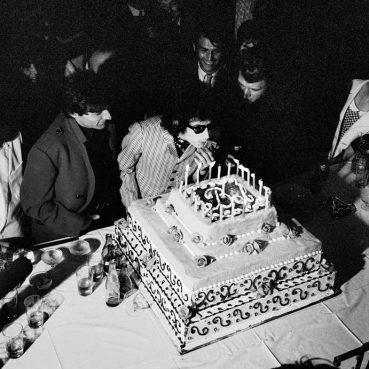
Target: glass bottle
[124,280]
[112,287]
[107,253]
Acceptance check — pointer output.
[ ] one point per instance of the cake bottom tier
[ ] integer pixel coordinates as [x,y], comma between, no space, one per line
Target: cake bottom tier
[209,323]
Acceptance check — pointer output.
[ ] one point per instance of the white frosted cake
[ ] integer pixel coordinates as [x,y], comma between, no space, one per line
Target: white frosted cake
[214,270]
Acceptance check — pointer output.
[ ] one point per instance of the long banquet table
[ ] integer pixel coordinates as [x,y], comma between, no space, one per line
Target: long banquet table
[84,333]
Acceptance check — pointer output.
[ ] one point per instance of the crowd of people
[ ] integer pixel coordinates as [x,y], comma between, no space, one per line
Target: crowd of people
[157,90]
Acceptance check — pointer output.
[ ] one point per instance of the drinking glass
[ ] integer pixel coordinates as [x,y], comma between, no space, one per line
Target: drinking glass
[136,302]
[84,280]
[364,195]
[13,334]
[50,303]
[9,305]
[97,271]
[52,257]
[34,312]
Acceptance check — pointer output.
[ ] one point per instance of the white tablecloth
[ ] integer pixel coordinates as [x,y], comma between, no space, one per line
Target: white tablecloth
[86,334]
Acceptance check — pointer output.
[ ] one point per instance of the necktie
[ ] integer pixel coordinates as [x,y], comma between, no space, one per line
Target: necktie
[207,80]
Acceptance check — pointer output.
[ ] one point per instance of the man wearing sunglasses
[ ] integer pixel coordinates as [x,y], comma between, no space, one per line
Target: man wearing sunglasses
[155,152]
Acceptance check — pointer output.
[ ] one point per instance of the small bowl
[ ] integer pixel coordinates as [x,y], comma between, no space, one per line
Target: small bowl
[40,281]
[52,257]
[79,248]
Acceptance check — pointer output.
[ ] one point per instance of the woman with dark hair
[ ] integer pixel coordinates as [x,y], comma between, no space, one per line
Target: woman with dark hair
[156,152]
[71,175]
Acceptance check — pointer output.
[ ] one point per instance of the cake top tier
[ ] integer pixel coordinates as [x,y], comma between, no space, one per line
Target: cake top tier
[227,197]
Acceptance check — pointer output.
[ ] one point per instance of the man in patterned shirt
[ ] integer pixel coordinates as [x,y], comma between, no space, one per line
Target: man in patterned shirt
[156,151]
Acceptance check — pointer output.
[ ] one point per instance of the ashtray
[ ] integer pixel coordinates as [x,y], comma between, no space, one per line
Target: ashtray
[40,281]
[80,247]
[52,257]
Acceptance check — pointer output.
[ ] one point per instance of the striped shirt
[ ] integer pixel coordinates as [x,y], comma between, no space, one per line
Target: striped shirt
[149,164]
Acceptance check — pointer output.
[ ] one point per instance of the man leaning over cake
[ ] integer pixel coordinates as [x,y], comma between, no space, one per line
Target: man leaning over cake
[158,153]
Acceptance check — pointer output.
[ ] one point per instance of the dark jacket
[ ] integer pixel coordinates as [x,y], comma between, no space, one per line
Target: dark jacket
[59,182]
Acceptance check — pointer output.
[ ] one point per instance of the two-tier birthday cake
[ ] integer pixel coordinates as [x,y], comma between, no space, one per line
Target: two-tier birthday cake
[216,260]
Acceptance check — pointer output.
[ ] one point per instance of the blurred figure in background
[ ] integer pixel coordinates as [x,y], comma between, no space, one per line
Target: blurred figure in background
[263,134]
[11,173]
[353,122]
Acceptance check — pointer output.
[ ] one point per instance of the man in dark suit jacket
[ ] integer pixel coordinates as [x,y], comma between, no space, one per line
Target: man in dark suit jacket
[70,177]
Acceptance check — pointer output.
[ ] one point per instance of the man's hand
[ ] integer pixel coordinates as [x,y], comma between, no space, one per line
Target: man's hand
[204,157]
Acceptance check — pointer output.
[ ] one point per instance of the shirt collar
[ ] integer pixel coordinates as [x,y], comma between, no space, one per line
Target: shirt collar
[135,12]
[202,73]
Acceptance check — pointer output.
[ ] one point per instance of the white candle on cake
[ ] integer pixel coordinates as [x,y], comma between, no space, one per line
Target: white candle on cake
[266,190]
[232,206]
[211,215]
[247,170]
[242,171]
[223,186]
[260,186]
[186,174]
[237,165]
[210,168]
[180,187]
[229,169]
[220,212]
[198,174]
[253,179]
[219,169]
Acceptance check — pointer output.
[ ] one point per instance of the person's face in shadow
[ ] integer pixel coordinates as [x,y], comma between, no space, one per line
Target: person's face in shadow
[251,92]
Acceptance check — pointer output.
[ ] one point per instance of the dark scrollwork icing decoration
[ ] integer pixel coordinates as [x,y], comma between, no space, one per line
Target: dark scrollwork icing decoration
[282,273]
[176,233]
[262,309]
[238,312]
[302,294]
[204,260]
[177,324]
[202,332]
[309,264]
[223,323]
[196,238]
[226,291]
[267,228]
[319,285]
[227,239]
[282,302]
[300,267]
